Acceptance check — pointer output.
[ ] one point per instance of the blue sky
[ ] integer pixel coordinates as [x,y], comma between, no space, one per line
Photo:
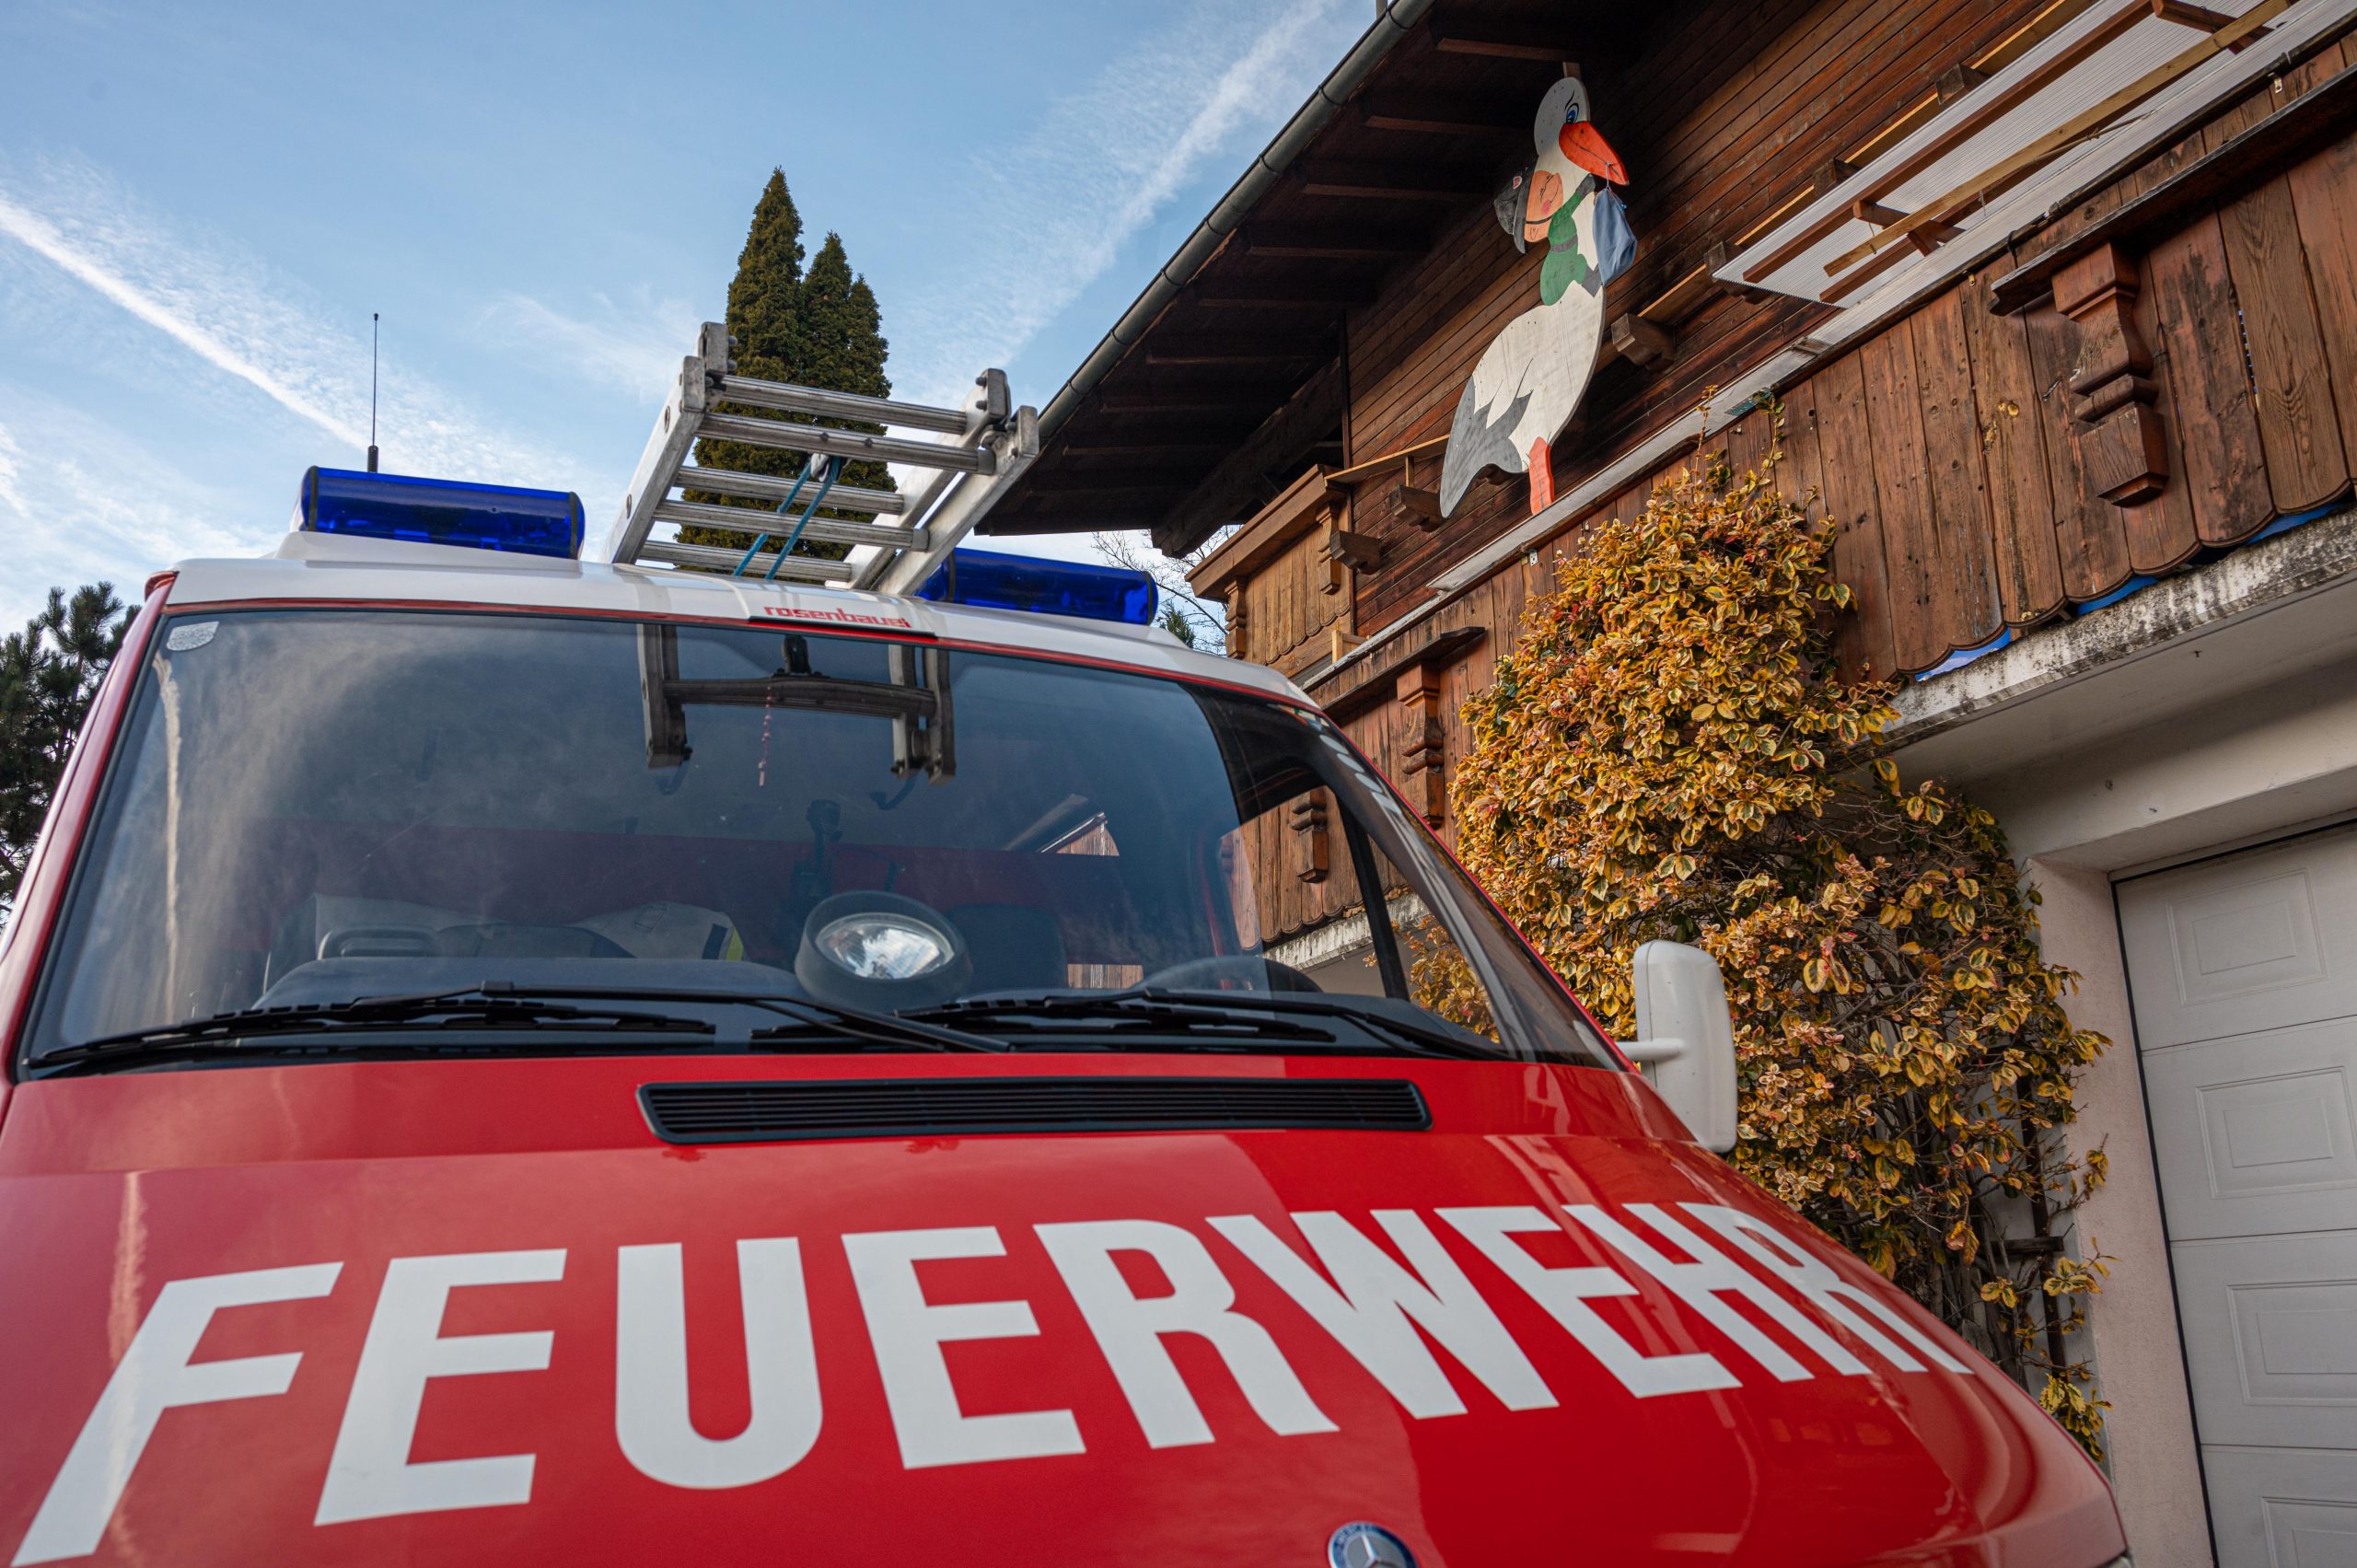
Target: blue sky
[200,205]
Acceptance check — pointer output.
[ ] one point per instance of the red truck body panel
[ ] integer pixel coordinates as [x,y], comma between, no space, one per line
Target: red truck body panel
[114,1187]
[479,1311]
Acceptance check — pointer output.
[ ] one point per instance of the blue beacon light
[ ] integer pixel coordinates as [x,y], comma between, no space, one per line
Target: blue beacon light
[990,579]
[441,511]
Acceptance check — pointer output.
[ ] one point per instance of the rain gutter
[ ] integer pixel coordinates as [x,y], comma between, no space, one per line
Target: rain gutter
[1396,17]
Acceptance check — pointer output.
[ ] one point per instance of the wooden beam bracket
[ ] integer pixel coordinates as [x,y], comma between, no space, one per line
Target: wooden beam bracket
[1957,80]
[2113,397]
[1313,858]
[1422,506]
[1715,257]
[1346,552]
[1641,343]
[1423,740]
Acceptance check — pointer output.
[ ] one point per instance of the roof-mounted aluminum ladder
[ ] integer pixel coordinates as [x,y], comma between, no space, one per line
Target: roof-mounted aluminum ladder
[985,444]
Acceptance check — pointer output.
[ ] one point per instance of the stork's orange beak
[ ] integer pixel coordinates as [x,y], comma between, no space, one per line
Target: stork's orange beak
[1585,146]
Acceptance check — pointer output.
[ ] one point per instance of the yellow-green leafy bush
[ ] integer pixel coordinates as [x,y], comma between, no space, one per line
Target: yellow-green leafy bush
[1667,752]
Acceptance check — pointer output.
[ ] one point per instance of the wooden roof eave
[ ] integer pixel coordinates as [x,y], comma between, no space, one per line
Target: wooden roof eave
[1245,553]
[1395,19]
[1234,488]
[1292,268]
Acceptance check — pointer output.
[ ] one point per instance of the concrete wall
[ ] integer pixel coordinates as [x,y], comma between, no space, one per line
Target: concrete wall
[2140,1367]
[2213,709]
[2218,776]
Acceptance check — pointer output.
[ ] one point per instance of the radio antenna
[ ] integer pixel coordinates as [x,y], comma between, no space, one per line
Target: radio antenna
[372,391]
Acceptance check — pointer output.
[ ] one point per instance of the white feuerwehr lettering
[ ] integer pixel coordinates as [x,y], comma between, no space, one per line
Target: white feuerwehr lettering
[1128,1330]
[1375,1311]
[1834,1297]
[1565,1294]
[1374,1308]
[908,1332]
[1705,1282]
[371,1475]
[652,1419]
[154,1376]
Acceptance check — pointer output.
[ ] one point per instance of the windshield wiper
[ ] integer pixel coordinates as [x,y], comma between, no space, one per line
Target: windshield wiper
[1432,1039]
[498,1005]
[1221,1019]
[813,1019]
[877,1028]
[1126,1021]
[470,1010]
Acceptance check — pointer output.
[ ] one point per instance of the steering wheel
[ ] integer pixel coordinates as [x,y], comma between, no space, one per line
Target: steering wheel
[1255,974]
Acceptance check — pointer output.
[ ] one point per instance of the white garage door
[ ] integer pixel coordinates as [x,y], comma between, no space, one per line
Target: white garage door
[2243,971]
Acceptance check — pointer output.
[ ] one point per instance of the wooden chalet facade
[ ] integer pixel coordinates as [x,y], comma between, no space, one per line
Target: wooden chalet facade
[2059,302]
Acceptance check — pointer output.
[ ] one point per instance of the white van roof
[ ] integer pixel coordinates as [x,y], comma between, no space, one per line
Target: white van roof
[322,568]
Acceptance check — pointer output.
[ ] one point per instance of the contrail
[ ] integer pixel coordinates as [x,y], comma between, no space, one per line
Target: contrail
[40,236]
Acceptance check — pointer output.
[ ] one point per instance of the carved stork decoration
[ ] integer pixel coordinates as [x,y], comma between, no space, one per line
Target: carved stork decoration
[1531,377]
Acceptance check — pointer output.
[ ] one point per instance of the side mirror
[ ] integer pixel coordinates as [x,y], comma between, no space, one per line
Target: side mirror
[1686,1037]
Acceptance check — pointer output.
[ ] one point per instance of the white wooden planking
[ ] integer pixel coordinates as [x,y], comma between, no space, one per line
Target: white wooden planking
[2243,974]
[2139,130]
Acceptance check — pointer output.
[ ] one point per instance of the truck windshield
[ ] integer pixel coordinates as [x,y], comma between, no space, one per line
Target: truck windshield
[315,808]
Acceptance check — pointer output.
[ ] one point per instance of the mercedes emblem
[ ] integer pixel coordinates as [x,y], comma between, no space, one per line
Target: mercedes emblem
[1368,1546]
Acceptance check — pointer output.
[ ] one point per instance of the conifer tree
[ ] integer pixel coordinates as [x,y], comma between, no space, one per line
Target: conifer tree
[764,310]
[839,343]
[765,296]
[49,673]
[820,328]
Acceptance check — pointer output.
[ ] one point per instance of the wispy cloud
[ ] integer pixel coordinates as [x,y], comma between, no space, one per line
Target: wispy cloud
[117,516]
[246,320]
[90,266]
[634,347]
[1049,218]
[210,335]
[12,493]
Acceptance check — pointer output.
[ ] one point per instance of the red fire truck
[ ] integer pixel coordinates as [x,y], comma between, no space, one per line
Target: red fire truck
[513,1058]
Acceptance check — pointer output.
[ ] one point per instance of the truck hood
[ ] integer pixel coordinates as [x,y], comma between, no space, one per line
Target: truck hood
[482,1312]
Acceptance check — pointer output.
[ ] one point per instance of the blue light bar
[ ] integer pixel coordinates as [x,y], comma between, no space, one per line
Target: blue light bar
[990,579]
[441,511]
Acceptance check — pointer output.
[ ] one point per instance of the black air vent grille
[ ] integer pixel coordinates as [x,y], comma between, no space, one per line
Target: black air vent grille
[931,1108]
